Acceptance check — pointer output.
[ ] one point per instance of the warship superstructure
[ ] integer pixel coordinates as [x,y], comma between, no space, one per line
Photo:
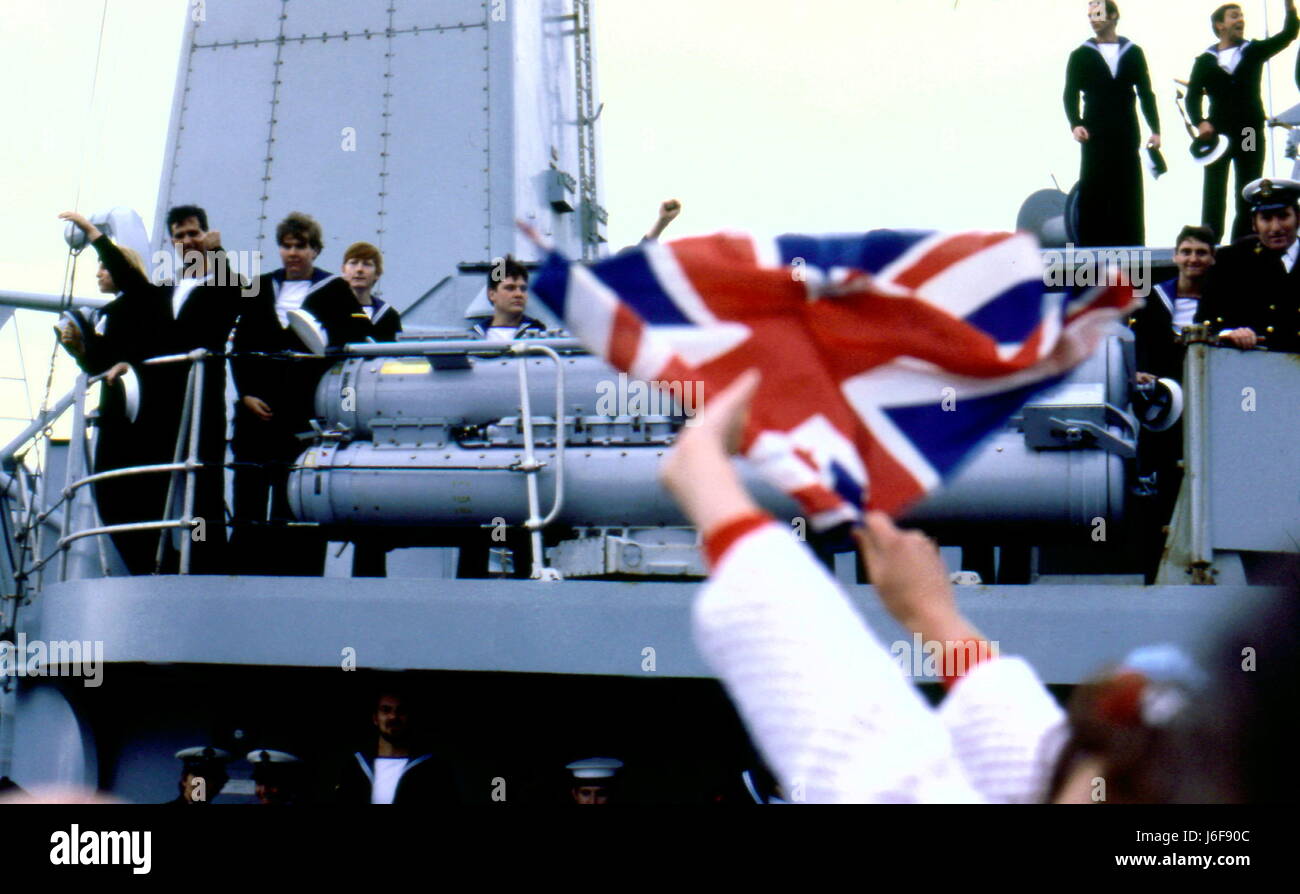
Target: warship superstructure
[429,128]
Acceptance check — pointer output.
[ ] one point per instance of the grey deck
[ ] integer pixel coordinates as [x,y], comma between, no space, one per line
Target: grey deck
[573,627]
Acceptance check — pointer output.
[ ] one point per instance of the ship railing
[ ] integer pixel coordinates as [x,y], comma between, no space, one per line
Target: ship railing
[76,519]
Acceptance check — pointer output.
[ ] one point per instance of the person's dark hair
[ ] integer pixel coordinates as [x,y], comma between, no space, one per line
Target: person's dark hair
[1103,724]
[1230,744]
[1112,11]
[1217,17]
[182,213]
[304,227]
[399,690]
[506,268]
[1237,746]
[1200,234]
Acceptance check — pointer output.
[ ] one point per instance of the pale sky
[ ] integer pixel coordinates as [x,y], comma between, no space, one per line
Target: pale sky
[762,115]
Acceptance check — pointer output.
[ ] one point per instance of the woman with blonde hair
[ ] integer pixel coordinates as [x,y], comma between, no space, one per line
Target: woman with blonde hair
[115,341]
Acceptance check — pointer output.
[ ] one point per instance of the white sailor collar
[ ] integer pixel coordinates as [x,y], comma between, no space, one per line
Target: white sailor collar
[1213,49]
[318,279]
[1123,42]
[1166,297]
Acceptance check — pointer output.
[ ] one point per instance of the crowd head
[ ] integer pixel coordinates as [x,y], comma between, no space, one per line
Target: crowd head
[1102,15]
[508,287]
[300,240]
[1194,251]
[105,279]
[363,264]
[188,226]
[1228,20]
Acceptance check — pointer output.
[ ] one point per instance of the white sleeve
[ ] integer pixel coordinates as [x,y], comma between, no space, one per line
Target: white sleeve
[827,706]
[1007,730]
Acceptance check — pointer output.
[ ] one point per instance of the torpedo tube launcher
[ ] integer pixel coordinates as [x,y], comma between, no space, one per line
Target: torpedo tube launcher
[439,441]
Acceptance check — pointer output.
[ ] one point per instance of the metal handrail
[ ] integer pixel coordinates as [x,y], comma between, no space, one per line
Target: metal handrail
[74,454]
[64,542]
[477,347]
[558,503]
[125,526]
[196,418]
[1196,464]
[188,442]
[78,464]
[530,465]
[124,472]
[187,408]
[37,425]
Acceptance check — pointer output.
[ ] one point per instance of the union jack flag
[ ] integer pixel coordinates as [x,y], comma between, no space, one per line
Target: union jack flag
[886,357]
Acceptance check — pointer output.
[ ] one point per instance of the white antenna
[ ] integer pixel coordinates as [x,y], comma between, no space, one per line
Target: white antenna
[90,106]
[1268,74]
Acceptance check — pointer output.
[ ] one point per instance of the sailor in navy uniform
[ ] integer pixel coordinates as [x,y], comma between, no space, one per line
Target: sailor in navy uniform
[1107,70]
[593,780]
[1229,74]
[203,774]
[277,398]
[113,341]
[397,769]
[277,777]
[197,311]
[373,319]
[1173,305]
[508,294]
[1252,297]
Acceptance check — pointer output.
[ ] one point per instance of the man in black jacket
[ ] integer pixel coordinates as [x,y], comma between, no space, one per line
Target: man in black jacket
[1107,70]
[396,771]
[1229,74]
[1252,297]
[197,310]
[277,398]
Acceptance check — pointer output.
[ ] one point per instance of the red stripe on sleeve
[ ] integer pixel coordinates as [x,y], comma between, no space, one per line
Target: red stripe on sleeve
[720,538]
[960,657]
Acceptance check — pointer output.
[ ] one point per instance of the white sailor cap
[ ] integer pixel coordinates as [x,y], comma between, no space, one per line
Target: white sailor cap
[1271,193]
[309,331]
[202,757]
[130,383]
[595,768]
[275,767]
[1209,149]
[263,756]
